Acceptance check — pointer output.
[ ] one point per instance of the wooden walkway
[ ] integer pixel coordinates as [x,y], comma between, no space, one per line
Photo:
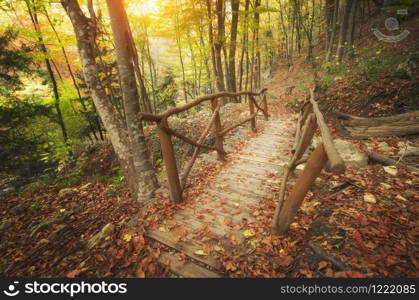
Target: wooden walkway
[210,226]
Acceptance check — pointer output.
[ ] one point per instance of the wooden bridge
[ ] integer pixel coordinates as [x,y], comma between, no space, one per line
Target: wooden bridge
[213,224]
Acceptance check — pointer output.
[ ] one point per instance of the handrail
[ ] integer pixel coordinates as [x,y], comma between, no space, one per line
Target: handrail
[309,119]
[176,184]
[176,110]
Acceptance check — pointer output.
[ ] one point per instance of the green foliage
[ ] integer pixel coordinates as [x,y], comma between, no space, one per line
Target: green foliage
[329,71]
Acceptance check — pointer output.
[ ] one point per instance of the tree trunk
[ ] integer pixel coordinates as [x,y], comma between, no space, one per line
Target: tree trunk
[333,30]
[398,125]
[147,182]
[218,45]
[85,111]
[32,10]
[343,31]
[85,30]
[235,5]
[351,29]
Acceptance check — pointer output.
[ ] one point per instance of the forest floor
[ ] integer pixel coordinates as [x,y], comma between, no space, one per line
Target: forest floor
[362,223]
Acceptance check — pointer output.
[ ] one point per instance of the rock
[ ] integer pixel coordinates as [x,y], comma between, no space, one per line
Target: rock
[107,230]
[350,154]
[392,170]
[55,219]
[63,193]
[370,198]
[5,225]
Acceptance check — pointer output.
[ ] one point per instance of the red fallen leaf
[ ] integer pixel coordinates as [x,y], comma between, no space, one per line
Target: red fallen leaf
[362,220]
[285,261]
[73,274]
[179,232]
[357,236]
[354,274]
[151,268]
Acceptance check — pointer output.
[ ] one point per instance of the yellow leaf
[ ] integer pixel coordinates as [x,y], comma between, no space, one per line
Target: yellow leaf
[219,248]
[252,243]
[201,252]
[162,229]
[249,233]
[282,251]
[127,237]
[370,198]
[324,244]
[386,186]
[316,204]
[293,243]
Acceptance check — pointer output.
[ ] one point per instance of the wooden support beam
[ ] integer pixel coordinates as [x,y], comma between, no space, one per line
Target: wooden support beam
[188,140]
[201,139]
[291,205]
[265,106]
[337,165]
[252,113]
[169,162]
[228,129]
[306,137]
[302,117]
[219,139]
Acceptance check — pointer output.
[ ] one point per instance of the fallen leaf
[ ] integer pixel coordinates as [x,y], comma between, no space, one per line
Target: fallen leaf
[248,233]
[127,237]
[323,264]
[219,249]
[370,198]
[73,274]
[201,253]
[357,236]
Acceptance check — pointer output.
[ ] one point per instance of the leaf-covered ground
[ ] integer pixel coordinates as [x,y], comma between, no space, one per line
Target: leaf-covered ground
[363,223]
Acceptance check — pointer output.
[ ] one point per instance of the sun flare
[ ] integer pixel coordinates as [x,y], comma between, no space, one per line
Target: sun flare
[143,8]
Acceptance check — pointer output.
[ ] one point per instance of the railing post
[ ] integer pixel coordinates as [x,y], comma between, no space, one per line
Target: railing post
[219,139]
[312,170]
[252,111]
[265,106]
[169,162]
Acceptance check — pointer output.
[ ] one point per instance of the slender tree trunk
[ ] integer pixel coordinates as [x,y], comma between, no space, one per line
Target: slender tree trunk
[244,43]
[125,58]
[85,111]
[351,29]
[218,44]
[85,30]
[343,30]
[32,11]
[333,30]
[235,6]
[257,60]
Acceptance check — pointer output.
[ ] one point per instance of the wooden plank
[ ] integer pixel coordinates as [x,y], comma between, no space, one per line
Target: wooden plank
[273,162]
[189,247]
[188,269]
[336,162]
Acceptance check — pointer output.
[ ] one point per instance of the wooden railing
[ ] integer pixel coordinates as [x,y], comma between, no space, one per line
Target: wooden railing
[165,133]
[309,119]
